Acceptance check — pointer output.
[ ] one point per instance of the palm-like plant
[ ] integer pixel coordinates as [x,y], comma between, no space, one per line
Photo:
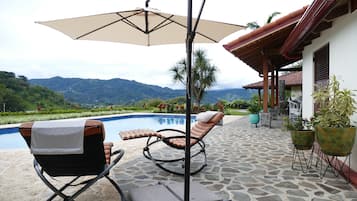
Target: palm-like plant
[255,25]
[203,74]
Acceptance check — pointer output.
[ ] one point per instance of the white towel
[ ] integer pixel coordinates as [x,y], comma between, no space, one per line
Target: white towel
[57,137]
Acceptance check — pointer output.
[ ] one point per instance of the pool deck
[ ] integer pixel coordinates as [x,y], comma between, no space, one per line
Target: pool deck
[244,163]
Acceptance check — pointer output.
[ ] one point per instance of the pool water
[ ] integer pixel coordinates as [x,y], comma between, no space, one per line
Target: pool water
[10,138]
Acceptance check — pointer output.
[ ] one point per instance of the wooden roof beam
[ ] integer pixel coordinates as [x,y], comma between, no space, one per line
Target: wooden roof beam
[322,26]
[338,11]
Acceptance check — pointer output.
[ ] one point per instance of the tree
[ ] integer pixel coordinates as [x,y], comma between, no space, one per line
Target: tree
[203,74]
[255,25]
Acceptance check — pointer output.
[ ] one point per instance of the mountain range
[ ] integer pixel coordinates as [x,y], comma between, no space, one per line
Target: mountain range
[123,92]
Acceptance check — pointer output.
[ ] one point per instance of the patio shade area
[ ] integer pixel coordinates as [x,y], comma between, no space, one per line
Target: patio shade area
[265,41]
[244,163]
[260,49]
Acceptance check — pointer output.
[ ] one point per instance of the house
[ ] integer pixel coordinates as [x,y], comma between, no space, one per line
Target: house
[260,49]
[292,82]
[326,39]
[323,35]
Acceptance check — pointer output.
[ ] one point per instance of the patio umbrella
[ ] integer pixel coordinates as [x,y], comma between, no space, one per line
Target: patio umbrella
[145,26]
[142,26]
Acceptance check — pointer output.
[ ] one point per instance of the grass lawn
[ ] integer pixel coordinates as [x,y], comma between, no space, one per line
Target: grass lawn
[11,119]
[236,112]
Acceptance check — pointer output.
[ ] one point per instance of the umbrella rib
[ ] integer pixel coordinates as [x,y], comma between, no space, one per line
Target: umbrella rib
[162,24]
[106,25]
[130,23]
[182,25]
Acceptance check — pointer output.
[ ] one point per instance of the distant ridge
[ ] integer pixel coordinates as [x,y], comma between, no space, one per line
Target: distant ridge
[121,91]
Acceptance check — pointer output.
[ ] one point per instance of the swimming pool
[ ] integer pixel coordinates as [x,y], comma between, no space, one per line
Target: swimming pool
[10,138]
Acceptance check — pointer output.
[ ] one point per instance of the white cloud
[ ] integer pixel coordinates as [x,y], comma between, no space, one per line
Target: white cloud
[36,51]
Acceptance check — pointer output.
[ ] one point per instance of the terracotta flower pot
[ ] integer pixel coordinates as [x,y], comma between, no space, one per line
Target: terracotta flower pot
[336,141]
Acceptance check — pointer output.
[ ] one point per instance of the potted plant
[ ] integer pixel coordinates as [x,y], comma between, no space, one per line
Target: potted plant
[254,109]
[302,136]
[334,132]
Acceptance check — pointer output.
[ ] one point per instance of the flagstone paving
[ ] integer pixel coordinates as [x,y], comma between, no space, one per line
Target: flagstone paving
[246,163]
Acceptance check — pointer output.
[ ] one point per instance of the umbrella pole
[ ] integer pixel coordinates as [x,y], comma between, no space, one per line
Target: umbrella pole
[189,40]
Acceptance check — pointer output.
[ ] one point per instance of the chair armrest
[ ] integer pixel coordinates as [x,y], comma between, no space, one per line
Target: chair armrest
[120,153]
[172,129]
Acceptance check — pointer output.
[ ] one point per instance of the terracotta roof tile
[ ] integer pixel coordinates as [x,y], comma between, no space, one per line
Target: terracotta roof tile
[291,79]
[265,30]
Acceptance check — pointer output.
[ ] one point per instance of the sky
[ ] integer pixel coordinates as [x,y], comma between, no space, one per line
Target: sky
[36,51]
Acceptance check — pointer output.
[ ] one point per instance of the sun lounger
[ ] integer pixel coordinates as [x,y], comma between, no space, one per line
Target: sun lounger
[205,122]
[56,160]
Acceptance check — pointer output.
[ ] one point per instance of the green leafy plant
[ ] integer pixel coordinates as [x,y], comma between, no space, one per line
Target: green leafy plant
[335,105]
[254,107]
[297,124]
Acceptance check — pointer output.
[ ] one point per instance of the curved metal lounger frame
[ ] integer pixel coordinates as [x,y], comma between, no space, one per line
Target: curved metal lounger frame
[87,183]
[158,161]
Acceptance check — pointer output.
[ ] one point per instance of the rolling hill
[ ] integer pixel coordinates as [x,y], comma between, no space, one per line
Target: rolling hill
[17,94]
[121,91]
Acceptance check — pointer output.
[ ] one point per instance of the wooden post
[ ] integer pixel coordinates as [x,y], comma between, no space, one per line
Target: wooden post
[272,87]
[265,85]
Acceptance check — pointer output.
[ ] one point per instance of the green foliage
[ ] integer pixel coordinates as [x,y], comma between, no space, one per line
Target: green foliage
[335,105]
[177,100]
[255,25]
[150,102]
[254,107]
[203,74]
[234,112]
[238,104]
[270,18]
[293,125]
[16,94]
[89,92]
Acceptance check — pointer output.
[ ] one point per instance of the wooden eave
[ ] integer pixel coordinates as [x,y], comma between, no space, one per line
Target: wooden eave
[265,41]
[317,18]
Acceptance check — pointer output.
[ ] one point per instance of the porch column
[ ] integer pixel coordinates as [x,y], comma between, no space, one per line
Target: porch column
[277,88]
[272,87]
[265,85]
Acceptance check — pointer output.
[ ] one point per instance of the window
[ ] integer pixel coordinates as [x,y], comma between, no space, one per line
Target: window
[322,65]
[321,69]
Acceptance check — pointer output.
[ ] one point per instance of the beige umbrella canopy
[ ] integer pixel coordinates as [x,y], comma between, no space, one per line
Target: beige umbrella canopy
[142,26]
[148,27]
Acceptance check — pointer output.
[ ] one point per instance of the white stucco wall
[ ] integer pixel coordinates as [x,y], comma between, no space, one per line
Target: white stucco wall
[342,39]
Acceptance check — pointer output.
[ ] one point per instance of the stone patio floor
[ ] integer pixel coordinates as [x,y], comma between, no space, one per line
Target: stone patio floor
[244,163]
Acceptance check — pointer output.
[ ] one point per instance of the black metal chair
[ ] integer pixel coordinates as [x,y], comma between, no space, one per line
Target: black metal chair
[95,161]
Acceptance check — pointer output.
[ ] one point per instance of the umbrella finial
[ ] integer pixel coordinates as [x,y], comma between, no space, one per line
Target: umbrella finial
[147,3]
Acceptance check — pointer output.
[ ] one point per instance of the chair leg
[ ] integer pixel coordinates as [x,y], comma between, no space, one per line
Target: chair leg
[57,192]
[87,184]
[158,162]
[116,186]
